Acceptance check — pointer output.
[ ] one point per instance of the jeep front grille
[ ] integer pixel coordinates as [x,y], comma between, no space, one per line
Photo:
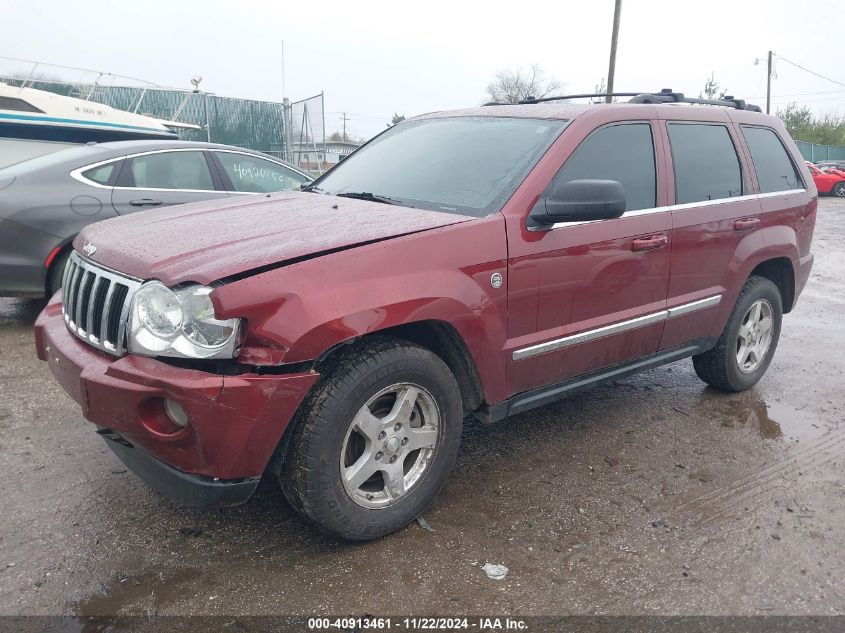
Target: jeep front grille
[95,303]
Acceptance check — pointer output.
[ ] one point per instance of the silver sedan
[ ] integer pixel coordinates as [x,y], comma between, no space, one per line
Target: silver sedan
[46,201]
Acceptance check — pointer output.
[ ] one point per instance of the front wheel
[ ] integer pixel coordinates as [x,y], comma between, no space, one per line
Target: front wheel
[375,440]
[746,346]
[839,190]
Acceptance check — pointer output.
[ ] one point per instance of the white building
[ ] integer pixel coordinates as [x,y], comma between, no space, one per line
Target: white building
[326,155]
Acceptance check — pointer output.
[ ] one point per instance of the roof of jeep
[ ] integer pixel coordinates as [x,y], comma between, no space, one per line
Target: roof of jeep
[566,110]
[550,110]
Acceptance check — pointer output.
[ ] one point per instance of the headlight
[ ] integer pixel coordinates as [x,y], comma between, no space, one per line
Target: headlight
[180,323]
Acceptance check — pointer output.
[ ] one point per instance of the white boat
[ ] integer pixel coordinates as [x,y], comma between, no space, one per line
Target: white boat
[36,122]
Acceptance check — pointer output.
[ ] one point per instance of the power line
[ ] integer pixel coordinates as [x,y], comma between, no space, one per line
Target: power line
[344,118]
[815,100]
[800,94]
[812,72]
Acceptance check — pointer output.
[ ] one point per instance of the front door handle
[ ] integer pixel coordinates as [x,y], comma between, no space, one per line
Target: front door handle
[145,202]
[746,224]
[649,243]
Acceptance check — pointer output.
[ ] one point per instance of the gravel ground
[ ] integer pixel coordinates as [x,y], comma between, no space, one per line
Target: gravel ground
[655,495]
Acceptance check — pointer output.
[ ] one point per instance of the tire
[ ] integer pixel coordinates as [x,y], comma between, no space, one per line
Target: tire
[335,443]
[839,190]
[721,367]
[56,272]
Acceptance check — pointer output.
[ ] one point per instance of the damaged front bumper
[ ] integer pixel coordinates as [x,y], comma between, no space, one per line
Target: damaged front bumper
[234,423]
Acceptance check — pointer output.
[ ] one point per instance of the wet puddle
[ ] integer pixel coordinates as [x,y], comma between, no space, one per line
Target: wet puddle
[20,312]
[772,421]
[144,594]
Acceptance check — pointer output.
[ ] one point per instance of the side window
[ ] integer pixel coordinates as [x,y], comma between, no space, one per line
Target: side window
[706,163]
[623,152]
[256,175]
[13,103]
[172,170]
[775,170]
[102,175]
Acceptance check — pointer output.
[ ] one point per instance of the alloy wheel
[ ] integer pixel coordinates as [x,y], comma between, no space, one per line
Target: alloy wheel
[755,336]
[389,445]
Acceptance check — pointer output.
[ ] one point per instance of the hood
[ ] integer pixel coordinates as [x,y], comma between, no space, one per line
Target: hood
[207,241]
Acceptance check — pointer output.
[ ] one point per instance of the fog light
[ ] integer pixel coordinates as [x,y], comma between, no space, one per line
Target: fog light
[176,413]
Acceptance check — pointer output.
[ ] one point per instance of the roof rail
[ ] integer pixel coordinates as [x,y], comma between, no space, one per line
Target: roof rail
[667,96]
[664,96]
[564,97]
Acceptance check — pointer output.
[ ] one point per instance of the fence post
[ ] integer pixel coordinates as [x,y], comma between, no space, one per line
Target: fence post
[287,137]
[207,122]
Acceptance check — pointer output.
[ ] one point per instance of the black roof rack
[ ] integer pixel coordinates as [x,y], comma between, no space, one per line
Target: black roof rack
[664,96]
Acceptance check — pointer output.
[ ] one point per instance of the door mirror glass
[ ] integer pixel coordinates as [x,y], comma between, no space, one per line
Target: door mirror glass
[579,201]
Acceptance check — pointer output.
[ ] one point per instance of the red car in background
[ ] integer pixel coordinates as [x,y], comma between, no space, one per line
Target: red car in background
[830,181]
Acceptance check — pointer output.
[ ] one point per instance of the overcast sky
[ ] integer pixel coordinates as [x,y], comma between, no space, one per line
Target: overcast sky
[374,58]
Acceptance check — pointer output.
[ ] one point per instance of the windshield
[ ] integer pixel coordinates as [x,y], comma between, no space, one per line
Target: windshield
[468,165]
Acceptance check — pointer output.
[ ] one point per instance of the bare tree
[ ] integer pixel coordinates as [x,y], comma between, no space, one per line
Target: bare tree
[513,86]
[711,89]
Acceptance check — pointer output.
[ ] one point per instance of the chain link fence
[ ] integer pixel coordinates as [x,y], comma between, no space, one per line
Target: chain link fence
[308,133]
[814,152]
[267,126]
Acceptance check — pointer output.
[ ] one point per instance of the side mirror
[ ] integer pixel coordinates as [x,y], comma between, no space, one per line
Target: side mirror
[579,201]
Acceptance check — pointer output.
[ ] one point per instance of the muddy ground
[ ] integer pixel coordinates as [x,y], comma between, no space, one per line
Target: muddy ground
[653,496]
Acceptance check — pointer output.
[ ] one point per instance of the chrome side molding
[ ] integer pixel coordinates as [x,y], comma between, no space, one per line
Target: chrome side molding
[614,328]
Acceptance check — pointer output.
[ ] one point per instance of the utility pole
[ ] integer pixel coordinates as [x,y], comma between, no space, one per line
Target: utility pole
[284,93]
[345,119]
[769,85]
[613,39]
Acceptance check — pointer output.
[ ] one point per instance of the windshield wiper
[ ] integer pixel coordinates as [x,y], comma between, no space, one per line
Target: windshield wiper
[366,195]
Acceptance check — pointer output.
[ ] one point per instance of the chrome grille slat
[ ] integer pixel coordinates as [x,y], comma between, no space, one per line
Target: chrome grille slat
[85,306]
[104,322]
[124,317]
[71,299]
[77,297]
[85,285]
[95,308]
[115,313]
[67,274]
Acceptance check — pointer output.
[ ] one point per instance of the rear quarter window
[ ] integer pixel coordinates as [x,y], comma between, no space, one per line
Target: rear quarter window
[775,169]
[705,162]
[102,175]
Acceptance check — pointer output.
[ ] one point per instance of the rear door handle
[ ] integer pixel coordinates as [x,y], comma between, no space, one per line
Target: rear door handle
[145,202]
[746,224]
[649,243]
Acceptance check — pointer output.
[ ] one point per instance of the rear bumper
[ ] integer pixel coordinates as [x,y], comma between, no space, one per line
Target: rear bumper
[235,422]
[802,274]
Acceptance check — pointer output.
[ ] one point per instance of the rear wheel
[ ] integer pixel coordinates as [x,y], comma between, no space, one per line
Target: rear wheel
[839,190]
[746,346]
[57,271]
[375,441]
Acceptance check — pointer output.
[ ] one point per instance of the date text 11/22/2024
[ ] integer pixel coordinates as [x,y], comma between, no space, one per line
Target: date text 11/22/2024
[418,624]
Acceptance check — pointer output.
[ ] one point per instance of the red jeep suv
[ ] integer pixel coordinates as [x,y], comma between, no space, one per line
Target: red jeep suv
[476,263]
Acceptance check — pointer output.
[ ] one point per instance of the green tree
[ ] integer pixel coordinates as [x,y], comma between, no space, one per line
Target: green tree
[802,125]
